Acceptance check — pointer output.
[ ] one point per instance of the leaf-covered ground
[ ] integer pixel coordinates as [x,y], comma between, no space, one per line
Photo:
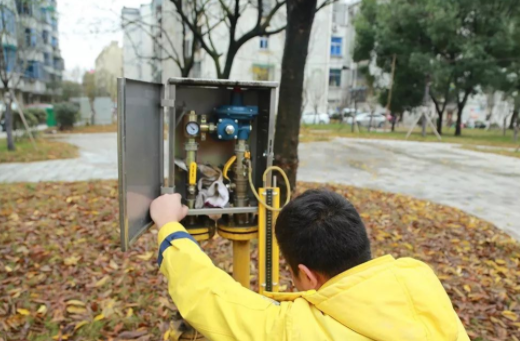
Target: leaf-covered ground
[63,276]
[46,150]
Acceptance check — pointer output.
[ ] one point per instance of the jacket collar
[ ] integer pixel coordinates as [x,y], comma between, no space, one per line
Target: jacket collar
[322,293]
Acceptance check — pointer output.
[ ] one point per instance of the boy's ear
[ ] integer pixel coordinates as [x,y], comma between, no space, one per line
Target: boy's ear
[309,278]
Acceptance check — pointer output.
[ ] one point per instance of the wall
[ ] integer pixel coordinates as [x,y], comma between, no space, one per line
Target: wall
[104,107]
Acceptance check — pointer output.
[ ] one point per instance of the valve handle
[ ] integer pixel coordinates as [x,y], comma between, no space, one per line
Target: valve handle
[193,173]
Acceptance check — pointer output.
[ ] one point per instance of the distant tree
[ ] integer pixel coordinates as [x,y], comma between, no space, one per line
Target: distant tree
[207,19]
[181,51]
[314,92]
[71,89]
[90,90]
[459,45]
[407,91]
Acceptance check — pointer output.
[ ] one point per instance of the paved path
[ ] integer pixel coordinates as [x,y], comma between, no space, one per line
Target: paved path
[485,185]
[482,184]
[98,160]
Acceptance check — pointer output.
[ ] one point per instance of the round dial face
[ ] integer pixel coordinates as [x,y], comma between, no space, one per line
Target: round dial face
[192,129]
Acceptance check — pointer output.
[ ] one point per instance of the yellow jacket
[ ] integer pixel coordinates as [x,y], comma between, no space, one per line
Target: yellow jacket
[384,299]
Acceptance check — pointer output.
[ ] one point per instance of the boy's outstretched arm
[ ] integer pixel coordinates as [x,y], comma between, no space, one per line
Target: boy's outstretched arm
[207,297]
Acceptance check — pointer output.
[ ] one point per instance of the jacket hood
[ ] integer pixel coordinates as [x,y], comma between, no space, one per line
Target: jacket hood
[389,300]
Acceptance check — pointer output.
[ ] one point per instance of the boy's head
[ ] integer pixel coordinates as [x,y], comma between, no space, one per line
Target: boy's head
[321,235]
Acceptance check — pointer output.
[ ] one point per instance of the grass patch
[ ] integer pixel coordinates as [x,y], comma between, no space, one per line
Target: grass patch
[46,150]
[499,151]
[494,138]
[90,129]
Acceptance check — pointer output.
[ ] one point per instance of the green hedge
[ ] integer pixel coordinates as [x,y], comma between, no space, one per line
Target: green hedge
[67,114]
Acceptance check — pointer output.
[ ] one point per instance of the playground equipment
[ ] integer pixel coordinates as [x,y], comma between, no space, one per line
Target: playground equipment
[219,154]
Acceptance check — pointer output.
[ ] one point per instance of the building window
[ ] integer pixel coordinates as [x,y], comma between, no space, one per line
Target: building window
[9,57]
[9,20]
[262,72]
[264,43]
[30,37]
[54,24]
[335,77]
[24,7]
[57,64]
[46,58]
[45,37]
[335,46]
[34,70]
[54,42]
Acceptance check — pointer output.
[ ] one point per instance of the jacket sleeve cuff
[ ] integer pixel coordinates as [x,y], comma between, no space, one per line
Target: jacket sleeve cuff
[168,229]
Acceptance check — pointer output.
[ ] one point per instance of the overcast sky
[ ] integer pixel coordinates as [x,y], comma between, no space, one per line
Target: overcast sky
[86,27]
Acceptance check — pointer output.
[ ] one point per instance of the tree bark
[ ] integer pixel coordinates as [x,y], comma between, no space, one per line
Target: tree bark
[439,122]
[514,118]
[458,125]
[460,108]
[93,112]
[9,126]
[515,134]
[394,120]
[300,17]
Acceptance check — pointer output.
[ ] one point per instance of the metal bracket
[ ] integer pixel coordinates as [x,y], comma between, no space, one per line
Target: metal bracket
[167,103]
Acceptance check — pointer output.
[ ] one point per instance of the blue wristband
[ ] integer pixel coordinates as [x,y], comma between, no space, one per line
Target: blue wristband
[167,242]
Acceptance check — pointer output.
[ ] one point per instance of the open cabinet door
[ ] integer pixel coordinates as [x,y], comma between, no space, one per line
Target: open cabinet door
[140,155]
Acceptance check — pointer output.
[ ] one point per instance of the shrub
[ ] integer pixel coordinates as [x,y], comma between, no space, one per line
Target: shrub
[39,113]
[66,115]
[30,117]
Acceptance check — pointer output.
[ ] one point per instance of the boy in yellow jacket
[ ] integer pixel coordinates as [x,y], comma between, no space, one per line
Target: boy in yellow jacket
[344,293]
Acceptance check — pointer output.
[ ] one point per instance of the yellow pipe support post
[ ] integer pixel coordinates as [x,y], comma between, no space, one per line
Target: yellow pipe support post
[263,246]
[241,262]
[276,249]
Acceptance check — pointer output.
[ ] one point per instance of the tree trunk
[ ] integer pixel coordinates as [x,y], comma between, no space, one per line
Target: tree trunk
[423,125]
[93,111]
[394,119]
[460,108]
[458,126]
[514,119]
[515,135]
[9,126]
[300,16]
[230,57]
[439,122]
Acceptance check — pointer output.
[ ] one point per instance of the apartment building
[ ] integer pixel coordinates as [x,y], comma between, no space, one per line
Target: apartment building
[330,72]
[30,43]
[109,66]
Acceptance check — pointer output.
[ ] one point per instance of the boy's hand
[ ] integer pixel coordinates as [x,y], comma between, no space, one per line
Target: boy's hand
[167,209]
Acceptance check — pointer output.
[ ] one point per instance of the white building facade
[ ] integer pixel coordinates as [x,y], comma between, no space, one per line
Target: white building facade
[330,72]
[31,50]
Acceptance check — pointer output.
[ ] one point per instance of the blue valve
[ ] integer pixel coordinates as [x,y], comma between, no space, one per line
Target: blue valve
[234,121]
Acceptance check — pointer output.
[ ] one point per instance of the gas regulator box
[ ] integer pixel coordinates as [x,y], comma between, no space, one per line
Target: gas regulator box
[209,140]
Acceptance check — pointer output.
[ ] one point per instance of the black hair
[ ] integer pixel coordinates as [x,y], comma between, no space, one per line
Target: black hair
[322,230]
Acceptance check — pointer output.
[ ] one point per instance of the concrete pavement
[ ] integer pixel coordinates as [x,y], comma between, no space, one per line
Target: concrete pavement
[97,160]
[485,185]
[482,184]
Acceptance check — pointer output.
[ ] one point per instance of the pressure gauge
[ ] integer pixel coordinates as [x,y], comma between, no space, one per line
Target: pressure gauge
[192,128]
